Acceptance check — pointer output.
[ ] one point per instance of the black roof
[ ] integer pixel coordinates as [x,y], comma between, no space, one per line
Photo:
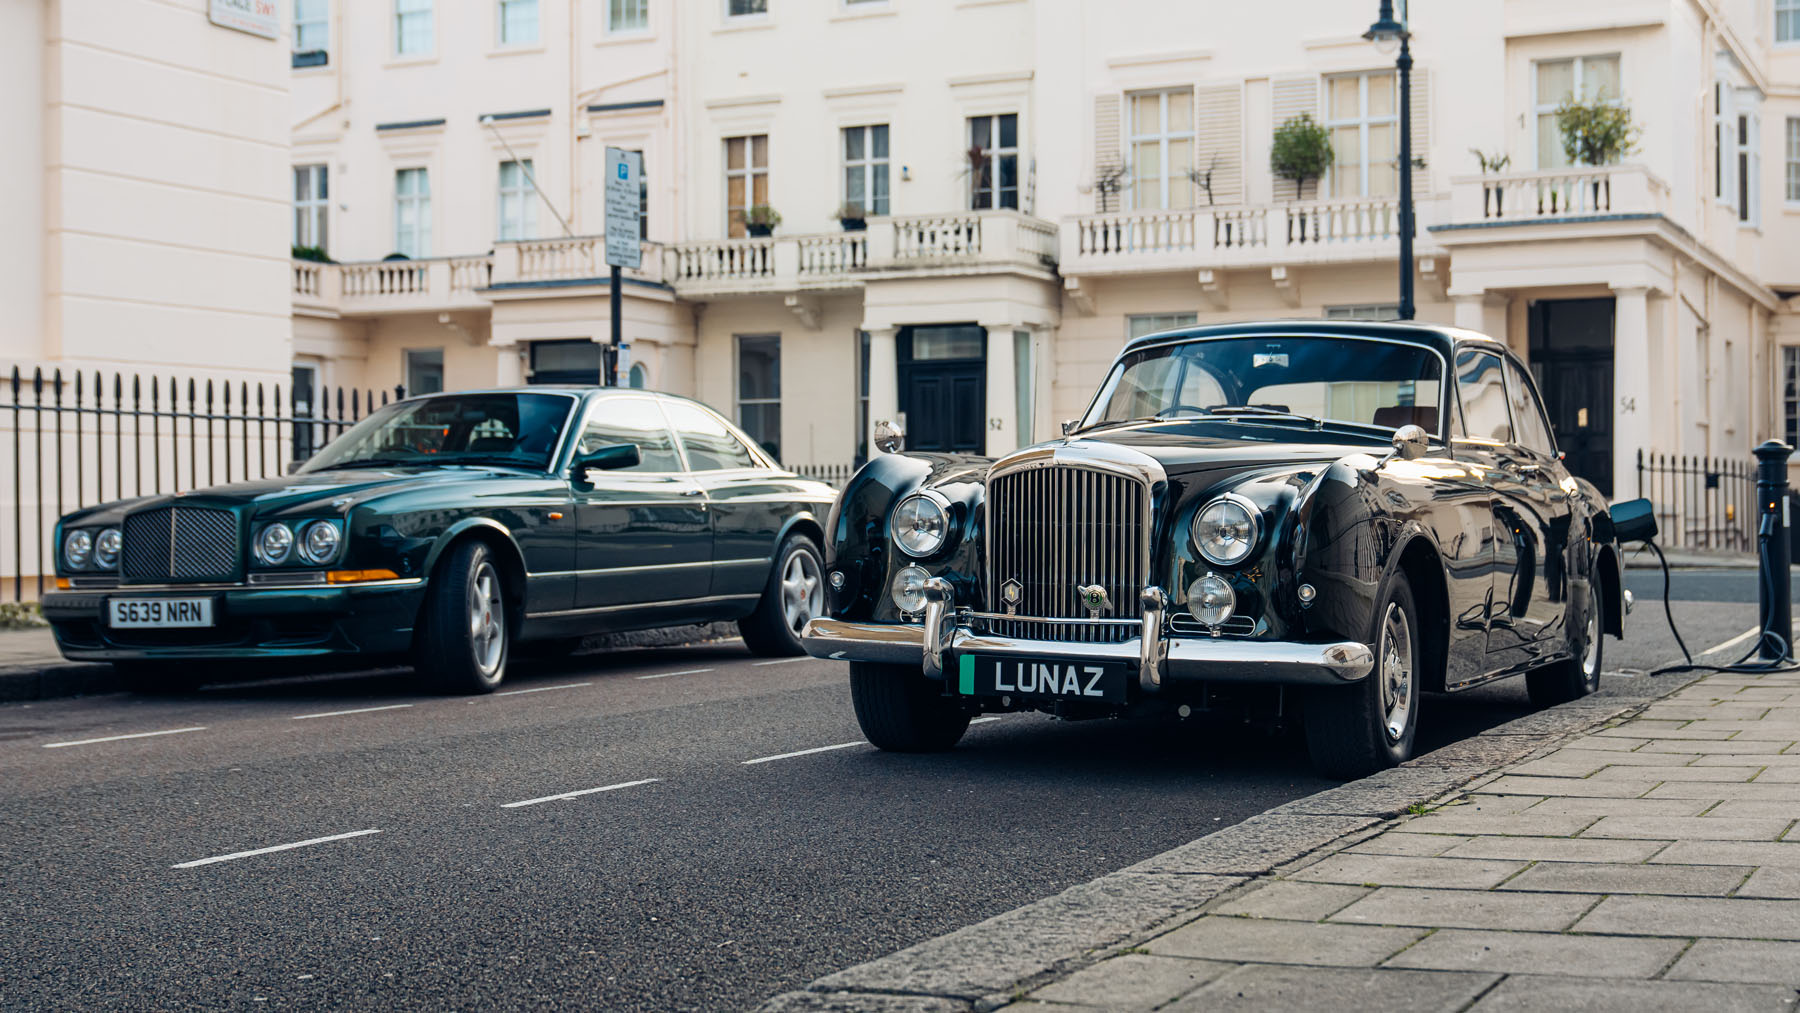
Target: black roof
[1438,336]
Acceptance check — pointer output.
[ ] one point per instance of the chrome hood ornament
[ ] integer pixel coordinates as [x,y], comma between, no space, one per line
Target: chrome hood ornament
[1095,599]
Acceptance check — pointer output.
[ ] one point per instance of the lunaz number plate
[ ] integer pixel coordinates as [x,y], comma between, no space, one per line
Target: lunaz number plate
[159,613]
[1101,682]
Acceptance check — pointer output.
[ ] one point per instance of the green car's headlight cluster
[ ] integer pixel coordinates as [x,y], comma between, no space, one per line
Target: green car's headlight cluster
[304,543]
[92,549]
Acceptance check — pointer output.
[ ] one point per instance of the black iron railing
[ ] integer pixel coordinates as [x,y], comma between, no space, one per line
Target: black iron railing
[76,439]
[1705,503]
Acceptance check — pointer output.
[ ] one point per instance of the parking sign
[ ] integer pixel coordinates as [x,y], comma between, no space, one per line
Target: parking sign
[624,170]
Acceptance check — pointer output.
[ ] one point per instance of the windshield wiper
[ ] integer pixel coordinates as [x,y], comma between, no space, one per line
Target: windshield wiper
[481,460]
[1256,409]
[367,462]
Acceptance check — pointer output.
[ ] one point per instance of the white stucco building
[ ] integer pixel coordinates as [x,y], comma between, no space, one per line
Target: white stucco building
[1041,179]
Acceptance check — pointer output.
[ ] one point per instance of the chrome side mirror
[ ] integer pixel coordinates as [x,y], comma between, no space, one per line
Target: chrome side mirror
[889,437]
[1070,425]
[1411,442]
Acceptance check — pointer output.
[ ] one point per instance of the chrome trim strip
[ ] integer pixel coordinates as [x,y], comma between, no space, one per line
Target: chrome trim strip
[1153,649]
[130,589]
[765,561]
[940,605]
[596,610]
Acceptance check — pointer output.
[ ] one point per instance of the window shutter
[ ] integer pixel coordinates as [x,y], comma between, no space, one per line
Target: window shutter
[1421,131]
[1289,97]
[1107,159]
[1219,141]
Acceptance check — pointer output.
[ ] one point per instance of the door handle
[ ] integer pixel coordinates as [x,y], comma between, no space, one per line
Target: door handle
[692,492]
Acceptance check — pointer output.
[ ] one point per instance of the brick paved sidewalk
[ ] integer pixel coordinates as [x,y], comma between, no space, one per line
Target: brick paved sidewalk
[1651,865]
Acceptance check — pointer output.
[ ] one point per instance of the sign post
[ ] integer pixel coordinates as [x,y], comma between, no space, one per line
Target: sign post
[624,176]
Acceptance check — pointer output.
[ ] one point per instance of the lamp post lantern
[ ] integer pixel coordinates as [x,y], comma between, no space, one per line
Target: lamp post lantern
[1385,33]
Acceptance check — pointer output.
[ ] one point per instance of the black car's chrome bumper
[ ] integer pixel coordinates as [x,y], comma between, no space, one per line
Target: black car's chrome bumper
[1160,659]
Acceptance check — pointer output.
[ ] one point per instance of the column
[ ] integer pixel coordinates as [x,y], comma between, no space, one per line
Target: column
[1632,396]
[884,381]
[1481,312]
[1002,392]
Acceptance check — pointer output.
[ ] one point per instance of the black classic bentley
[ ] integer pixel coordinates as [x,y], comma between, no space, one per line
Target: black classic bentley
[449,527]
[1346,513]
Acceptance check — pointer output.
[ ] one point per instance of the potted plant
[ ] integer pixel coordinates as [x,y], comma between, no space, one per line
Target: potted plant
[1301,151]
[312,253]
[1493,196]
[852,217]
[1596,132]
[760,220]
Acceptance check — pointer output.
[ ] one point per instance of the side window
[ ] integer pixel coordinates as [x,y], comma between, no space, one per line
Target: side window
[631,420]
[709,445]
[1533,434]
[1479,380]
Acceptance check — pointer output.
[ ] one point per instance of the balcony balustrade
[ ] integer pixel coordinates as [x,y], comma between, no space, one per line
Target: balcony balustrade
[1240,236]
[1555,194]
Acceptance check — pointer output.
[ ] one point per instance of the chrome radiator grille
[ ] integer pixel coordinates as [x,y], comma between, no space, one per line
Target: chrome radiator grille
[180,544]
[1054,530]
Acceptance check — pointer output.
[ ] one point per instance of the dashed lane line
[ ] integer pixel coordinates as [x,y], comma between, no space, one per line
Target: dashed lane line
[577,794]
[685,671]
[781,661]
[358,710]
[116,738]
[804,752]
[279,847]
[985,720]
[544,689]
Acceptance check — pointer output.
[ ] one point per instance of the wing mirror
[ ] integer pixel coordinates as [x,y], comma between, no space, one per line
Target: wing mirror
[889,437]
[1411,442]
[1633,520]
[619,455]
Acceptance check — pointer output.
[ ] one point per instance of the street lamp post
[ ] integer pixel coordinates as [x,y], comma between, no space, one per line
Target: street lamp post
[1385,32]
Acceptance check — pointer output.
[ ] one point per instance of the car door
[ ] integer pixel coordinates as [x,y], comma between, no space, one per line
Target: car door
[748,510]
[1543,503]
[1482,445]
[644,531]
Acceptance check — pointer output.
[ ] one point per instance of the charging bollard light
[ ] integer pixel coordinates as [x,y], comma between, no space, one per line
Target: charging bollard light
[1776,592]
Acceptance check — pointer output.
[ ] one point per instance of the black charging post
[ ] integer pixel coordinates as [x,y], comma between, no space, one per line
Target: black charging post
[1776,592]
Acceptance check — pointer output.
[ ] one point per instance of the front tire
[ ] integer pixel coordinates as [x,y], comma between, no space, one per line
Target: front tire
[1354,731]
[1579,674]
[465,636]
[794,594]
[901,711]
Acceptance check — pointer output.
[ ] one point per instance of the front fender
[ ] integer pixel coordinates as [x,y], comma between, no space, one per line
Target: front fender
[858,542]
[485,525]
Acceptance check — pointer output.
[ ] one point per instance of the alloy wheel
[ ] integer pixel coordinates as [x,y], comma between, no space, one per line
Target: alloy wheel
[1396,671]
[487,619]
[802,590]
[1590,648]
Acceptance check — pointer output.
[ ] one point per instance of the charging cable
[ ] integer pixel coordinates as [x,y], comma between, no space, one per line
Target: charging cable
[1784,660]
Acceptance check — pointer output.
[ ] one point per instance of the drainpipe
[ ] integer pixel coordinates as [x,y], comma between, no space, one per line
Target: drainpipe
[574,110]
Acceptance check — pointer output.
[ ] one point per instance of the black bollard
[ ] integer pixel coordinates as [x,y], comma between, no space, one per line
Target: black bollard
[1775,592]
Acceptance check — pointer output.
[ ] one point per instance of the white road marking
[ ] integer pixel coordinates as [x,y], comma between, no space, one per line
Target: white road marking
[781,661]
[359,710]
[576,794]
[278,847]
[115,738]
[1734,641]
[686,671]
[805,752]
[544,689]
[983,721]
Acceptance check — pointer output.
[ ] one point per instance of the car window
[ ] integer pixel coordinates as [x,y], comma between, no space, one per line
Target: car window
[1479,380]
[616,420]
[512,429]
[709,445]
[1528,415]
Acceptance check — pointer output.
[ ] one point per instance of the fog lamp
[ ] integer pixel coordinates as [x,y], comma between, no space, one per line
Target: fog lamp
[908,589]
[1211,599]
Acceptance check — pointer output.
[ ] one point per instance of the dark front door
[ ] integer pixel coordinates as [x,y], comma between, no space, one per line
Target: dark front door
[1572,362]
[943,388]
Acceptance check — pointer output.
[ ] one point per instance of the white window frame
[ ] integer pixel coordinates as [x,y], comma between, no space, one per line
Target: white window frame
[994,152]
[1792,189]
[1746,163]
[1162,132]
[516,204]
[1790,7]
[409,360]
[315,206]
[420,202]
[643,9]
[1362,121]
[537,36]
[738,392]
[749,173]
[738,19]
[1541,108]
[322,21]
[868,164]
[1159,322]
[404,9]
[1790,392]
[1380,311]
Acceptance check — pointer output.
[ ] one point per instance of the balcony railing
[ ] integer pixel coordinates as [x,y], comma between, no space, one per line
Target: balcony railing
[1231,236]
[1575,192]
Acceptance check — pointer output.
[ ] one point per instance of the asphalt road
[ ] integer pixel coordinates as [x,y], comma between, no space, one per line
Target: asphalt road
[749,840]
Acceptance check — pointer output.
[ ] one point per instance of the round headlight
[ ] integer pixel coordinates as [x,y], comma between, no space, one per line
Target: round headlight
[1211,599]
[908,589]
[1227,529]
[275,542]
[106,548]
[921,523]
[78,547]
[319,542]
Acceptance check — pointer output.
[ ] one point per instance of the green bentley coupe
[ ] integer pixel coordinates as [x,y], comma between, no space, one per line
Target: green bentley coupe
[449,528]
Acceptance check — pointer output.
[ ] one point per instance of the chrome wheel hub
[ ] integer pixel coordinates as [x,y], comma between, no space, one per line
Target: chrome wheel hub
[1590,648]
[802,590]
[487,619]
[1395,658]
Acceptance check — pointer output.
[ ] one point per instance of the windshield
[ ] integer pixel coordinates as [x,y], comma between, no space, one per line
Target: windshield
[519,430]
[1276,380]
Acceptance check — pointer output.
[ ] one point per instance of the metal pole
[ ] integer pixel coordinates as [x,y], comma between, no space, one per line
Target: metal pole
[1774,592]
[1406,194]
[618,325]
